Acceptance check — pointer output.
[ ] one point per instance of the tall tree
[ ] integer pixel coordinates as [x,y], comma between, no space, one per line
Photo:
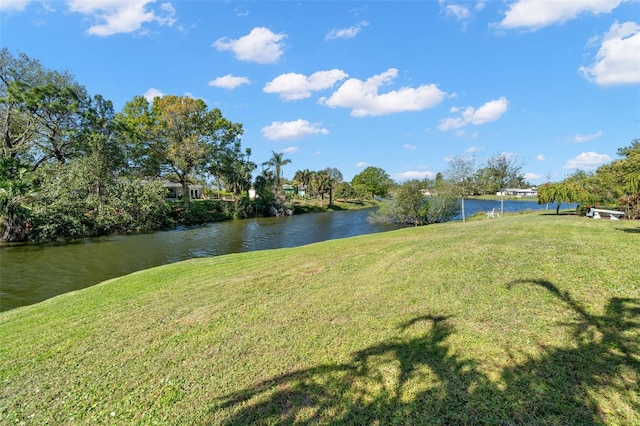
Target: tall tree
[98,143]
[345,191]
[460,173]
[190,135]
[321,183]
[277,161]
[40,111]
[17,126]
[134,126]
[58,108]
[335,178]
[619,181]
[302,178]
[177,135]
[376,181]
[234,167]
[500,171]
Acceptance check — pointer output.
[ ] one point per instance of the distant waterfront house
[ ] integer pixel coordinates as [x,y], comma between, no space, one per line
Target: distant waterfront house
[519,192]
[288,189]
[196,191]
[294,190]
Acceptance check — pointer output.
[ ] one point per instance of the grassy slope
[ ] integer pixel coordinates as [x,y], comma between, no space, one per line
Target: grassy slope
[528,319]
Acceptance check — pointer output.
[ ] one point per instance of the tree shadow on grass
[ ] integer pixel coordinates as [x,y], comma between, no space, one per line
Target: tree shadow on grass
[568,385]
[630,230]
[421,380]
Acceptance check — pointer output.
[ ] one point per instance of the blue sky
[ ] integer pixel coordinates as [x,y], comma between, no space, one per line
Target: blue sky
[404,86]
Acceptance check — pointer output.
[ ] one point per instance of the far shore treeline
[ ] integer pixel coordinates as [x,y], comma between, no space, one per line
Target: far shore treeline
[73,167]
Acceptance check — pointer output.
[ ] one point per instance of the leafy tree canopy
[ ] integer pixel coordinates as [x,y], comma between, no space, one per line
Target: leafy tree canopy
[375,180]
[562,192]
[410,206]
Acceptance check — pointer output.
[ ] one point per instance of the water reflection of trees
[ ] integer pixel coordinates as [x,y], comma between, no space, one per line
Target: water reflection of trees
[420,380]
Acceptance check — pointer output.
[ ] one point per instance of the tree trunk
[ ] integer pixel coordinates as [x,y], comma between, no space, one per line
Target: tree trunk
[185,194]
[13,229]
[462,205]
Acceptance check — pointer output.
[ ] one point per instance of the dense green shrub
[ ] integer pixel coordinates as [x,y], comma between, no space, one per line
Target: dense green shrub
[79,204]
[408,205]
[202,211]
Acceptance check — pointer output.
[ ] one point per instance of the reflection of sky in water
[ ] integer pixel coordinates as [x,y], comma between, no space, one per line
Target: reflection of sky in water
[472,207]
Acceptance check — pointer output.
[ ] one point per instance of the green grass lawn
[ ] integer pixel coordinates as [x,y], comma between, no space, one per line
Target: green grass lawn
[528,319]
[308,205]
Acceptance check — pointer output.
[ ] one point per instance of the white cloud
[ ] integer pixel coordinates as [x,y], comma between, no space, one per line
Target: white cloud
[533,176]
[618,59]
[241,12]
[293,86]
[152,93]
[587,161]
[229,82]
[584,138]
[413,174]
[474,149]
[364,100]
[292,130]
[350,32]
[115,16]
[541,157]
[260,45]
[457,11]
[461,11]
[535,14]
[409,147]
[290,149]
[14,5]
[362,164]
[490,111]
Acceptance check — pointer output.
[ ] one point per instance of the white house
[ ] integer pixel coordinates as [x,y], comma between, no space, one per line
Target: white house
[519,192]
[196,191]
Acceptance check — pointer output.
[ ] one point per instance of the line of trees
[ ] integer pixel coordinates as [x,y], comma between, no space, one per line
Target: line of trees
[616,184]
[71,166]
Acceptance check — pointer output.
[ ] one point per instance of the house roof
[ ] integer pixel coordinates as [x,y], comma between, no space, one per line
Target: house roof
[169,184]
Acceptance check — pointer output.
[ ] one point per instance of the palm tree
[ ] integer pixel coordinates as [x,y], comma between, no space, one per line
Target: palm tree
[277,161]
[303,178]
[321,182]
[335,177]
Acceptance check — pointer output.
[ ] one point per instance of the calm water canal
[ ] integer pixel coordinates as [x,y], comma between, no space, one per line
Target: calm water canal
[30,274]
